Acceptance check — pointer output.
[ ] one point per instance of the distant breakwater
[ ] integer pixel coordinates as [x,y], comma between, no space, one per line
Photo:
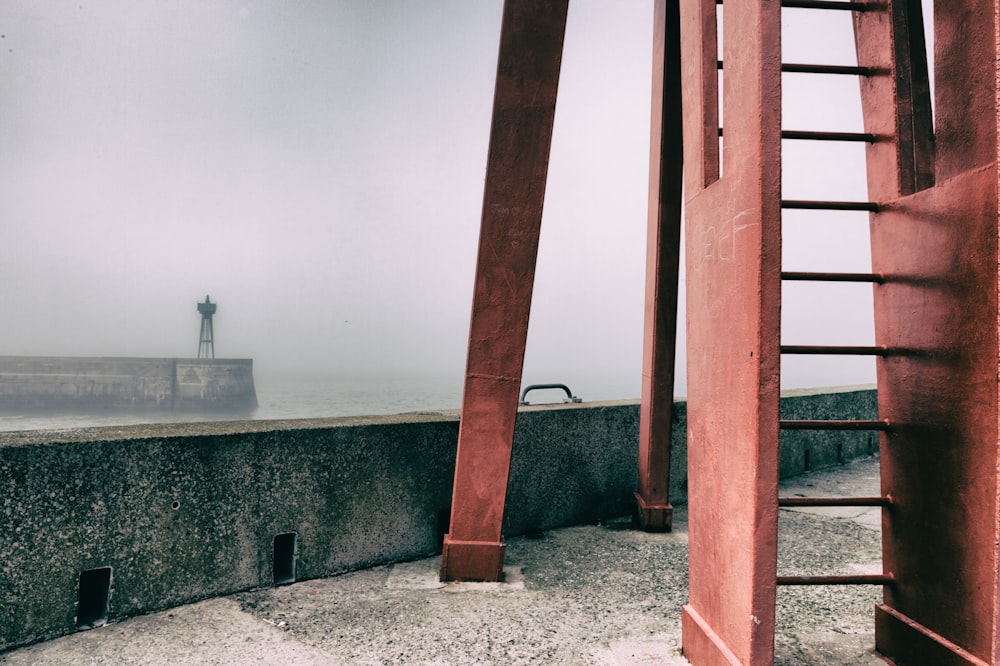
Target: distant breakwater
[71,384]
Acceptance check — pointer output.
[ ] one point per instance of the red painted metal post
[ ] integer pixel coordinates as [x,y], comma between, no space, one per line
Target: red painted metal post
[531,43]
[935,240]
[662,262]
[733,250]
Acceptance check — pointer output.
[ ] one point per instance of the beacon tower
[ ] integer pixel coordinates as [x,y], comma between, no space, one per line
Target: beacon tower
[206,342]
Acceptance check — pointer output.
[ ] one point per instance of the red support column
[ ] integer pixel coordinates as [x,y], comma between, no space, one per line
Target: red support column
[662,260]
[733,316]
[531,42]
[936,239]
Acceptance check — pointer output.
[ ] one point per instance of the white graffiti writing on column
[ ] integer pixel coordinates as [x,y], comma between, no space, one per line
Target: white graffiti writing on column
[720,241]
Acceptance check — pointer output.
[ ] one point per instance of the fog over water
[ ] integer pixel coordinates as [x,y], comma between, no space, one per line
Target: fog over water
[317,168]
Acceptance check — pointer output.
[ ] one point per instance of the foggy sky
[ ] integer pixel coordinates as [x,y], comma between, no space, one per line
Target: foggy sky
[317,168]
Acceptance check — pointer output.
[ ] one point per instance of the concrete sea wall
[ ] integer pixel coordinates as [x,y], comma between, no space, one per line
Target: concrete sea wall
[103,523]
[38,383]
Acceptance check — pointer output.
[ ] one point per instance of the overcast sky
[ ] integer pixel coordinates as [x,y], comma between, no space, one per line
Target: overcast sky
[317,167]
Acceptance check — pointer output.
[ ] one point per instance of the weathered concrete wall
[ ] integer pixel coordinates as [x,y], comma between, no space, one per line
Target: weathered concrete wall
[165,384]
[214,384]
[803,450]
[571,465]
[184,512]
[40,382]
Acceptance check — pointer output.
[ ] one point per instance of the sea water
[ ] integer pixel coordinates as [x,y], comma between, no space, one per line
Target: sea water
[298,396]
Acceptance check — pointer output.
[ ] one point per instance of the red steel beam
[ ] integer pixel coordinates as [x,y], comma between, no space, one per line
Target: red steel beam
[937,235]
[733,250]
[662,262]
[531,42]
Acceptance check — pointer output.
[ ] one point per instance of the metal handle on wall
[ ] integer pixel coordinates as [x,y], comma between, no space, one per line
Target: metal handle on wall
[531,387]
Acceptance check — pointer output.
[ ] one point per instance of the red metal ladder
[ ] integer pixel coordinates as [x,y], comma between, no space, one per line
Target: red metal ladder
[734,297]
[934,227]
[875,279]
[924,620]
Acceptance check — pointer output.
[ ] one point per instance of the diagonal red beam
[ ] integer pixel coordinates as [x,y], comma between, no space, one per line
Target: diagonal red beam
[531,43]
[663,240]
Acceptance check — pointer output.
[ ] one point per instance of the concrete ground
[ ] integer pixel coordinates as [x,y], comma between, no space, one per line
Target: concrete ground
[600,594]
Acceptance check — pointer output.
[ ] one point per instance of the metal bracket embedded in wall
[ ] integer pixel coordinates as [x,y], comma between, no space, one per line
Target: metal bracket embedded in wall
[569,394]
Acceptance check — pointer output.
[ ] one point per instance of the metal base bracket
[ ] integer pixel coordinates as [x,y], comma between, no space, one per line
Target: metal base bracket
[701,644]
[908,643]
[473,561]
[654,517]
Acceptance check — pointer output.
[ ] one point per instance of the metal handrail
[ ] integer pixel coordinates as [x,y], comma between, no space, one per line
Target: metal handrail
[531,387]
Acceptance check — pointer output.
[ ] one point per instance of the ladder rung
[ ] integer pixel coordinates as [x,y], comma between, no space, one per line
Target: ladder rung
[826,4]
[849,70]
[835,350]
[855,579]
[829,205]
[821,4]
[825,136]
[835,501]
[833,425]
[877,278]
[828,136]
[797,68]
